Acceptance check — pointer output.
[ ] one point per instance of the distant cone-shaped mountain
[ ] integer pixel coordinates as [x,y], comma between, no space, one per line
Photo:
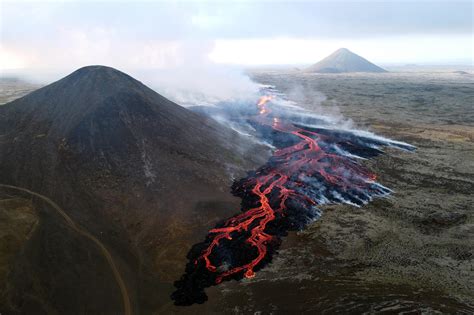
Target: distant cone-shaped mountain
[343,60]
[138,171]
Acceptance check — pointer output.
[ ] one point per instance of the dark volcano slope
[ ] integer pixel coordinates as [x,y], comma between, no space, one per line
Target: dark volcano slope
[142,174]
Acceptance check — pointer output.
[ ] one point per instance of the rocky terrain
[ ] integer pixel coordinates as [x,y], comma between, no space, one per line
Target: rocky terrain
[410,252]
[416,245]
[13,88]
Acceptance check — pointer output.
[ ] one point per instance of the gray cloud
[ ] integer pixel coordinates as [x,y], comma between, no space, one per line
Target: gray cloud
[233,20]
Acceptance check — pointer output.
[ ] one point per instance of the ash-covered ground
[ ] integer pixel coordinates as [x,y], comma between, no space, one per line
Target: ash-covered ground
[414,249]
[409,252]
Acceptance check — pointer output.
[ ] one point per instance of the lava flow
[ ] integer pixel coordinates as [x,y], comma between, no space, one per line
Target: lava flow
[311,167]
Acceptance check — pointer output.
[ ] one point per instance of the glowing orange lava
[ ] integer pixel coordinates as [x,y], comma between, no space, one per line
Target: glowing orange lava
[296,159]
[314,164]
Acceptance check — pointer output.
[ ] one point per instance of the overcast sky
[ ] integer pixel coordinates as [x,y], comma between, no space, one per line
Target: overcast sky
[165,34]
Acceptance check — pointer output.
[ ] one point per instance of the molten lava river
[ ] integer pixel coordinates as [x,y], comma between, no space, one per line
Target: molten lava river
[313,164]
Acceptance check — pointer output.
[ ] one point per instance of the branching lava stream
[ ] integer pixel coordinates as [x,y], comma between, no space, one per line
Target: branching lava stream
[311,167]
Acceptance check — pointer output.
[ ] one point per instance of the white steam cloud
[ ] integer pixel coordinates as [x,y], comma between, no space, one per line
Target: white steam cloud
[179,70]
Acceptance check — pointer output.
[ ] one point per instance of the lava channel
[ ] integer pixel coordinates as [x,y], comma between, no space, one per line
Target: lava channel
[310,168]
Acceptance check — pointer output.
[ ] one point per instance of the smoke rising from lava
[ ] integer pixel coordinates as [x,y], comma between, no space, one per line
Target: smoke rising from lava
[316,162]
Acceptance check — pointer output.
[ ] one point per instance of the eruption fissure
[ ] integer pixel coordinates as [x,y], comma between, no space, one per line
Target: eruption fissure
[310,168]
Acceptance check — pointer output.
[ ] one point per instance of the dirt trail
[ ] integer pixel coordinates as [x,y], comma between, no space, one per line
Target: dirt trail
[120,282]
